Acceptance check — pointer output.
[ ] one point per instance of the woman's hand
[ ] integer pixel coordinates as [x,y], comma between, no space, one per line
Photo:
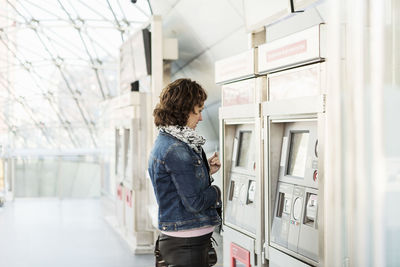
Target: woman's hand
[214,163]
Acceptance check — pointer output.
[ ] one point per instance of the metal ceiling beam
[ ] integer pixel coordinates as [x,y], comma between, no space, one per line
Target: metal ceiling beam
[98,44]
[94,66]
[24,103]
[87,50]
[27,109]
[143,12]
[58,113]
[41,8]
[6,17]
[122,10]
[51,45]
[151,9]
[116,20]
[80,108]
[7,122]
[94,10]
[63,45]
[74,97]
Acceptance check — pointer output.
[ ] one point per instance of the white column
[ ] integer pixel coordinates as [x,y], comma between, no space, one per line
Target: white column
[361,66]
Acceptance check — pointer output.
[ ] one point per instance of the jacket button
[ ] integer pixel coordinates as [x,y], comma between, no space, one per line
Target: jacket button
[198,161]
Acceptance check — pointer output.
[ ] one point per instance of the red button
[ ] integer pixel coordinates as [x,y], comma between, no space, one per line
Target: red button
[315,176]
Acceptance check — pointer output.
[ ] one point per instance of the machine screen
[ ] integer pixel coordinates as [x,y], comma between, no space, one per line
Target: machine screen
[118,150]
[127,149]
[239,264]
[244,146]
[297,154]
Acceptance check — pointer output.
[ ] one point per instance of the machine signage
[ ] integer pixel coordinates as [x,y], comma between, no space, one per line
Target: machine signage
[287,51]
[293,119]
[304,46]
[240,66]
[240,121]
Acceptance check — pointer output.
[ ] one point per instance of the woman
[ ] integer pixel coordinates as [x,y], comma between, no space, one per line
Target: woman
[180,174]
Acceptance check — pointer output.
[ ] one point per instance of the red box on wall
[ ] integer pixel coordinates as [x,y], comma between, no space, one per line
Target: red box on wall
[129,198]
[119,191]
[240,257]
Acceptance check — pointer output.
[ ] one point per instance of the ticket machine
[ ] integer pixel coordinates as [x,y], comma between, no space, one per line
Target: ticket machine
[3,189]
[294,119]
[294,220]
[240,205]
[135,146]
[241,151]
[118,172]
[145,60]
[128,147]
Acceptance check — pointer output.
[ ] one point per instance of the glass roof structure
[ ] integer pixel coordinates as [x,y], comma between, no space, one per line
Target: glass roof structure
[58,66]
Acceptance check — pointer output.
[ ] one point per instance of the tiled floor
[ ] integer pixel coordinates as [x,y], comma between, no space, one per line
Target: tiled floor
[62,233]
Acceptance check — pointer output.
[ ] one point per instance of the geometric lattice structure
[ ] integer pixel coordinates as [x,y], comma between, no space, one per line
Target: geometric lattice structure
[58,64]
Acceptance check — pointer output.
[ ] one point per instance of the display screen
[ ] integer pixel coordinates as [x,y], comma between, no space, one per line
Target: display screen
[127,150]
[244,147]
[239,264]
[297,154]
[117,151]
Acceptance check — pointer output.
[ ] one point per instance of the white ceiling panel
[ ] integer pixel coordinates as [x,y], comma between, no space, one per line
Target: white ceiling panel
[210,20]
[202,70]
[162,7]
[190,46]
[206,31]
[295,23]
[200,25]
[232,45]
[238,6]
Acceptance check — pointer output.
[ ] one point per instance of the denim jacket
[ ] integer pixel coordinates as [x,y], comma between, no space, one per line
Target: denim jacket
[181,181]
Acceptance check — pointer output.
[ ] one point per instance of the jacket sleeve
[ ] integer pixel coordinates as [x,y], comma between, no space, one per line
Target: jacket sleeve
[187,174]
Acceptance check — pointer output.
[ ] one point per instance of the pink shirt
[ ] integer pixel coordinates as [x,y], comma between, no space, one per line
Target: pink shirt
[191,233]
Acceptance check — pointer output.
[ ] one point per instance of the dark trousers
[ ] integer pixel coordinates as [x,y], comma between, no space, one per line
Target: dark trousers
[184,252]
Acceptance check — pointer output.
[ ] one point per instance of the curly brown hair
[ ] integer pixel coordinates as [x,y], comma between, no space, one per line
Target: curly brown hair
[177,100]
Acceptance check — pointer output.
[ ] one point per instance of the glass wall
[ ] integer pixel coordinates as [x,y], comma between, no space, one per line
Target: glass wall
[62,177]
[59,67]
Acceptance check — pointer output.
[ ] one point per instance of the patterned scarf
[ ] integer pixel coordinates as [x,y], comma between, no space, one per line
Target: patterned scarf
[185,134]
